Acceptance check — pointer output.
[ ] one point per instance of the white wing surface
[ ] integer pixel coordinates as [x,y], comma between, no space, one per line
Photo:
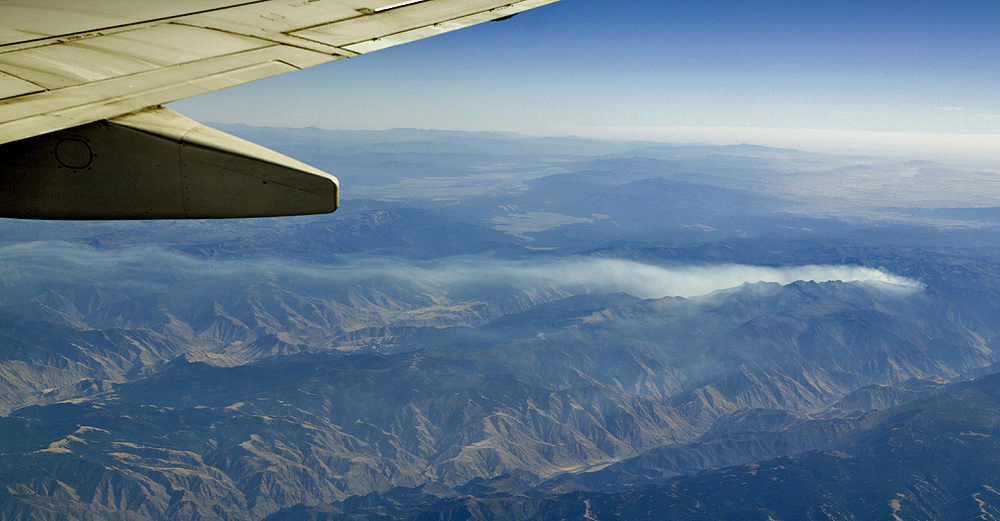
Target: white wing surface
[82,135]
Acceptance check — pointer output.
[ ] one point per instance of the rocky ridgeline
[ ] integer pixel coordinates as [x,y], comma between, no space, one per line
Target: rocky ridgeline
[632,390]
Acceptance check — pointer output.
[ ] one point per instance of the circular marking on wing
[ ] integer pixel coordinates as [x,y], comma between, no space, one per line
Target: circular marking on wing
[74,153]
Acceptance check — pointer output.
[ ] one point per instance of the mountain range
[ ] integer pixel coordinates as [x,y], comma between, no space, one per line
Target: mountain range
[525,346]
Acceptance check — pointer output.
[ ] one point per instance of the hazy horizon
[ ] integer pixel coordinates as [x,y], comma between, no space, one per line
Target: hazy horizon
[893,78]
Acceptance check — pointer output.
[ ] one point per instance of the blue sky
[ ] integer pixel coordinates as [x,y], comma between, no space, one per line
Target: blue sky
[673,70]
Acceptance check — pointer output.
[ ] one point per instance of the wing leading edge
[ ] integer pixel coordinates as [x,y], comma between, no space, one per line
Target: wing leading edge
[81,134]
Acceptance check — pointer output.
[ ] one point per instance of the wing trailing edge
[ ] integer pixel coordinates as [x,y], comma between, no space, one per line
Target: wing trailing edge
[156,164]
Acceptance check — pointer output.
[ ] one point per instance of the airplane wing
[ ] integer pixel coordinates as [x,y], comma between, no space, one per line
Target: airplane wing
[82,132]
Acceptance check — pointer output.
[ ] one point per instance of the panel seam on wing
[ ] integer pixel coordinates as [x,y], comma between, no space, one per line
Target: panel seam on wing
[286,39]
[192,82]
[62,38]
[392,9]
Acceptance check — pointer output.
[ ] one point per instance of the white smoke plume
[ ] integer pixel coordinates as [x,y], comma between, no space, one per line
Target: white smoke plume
[140,267]
[650,281]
